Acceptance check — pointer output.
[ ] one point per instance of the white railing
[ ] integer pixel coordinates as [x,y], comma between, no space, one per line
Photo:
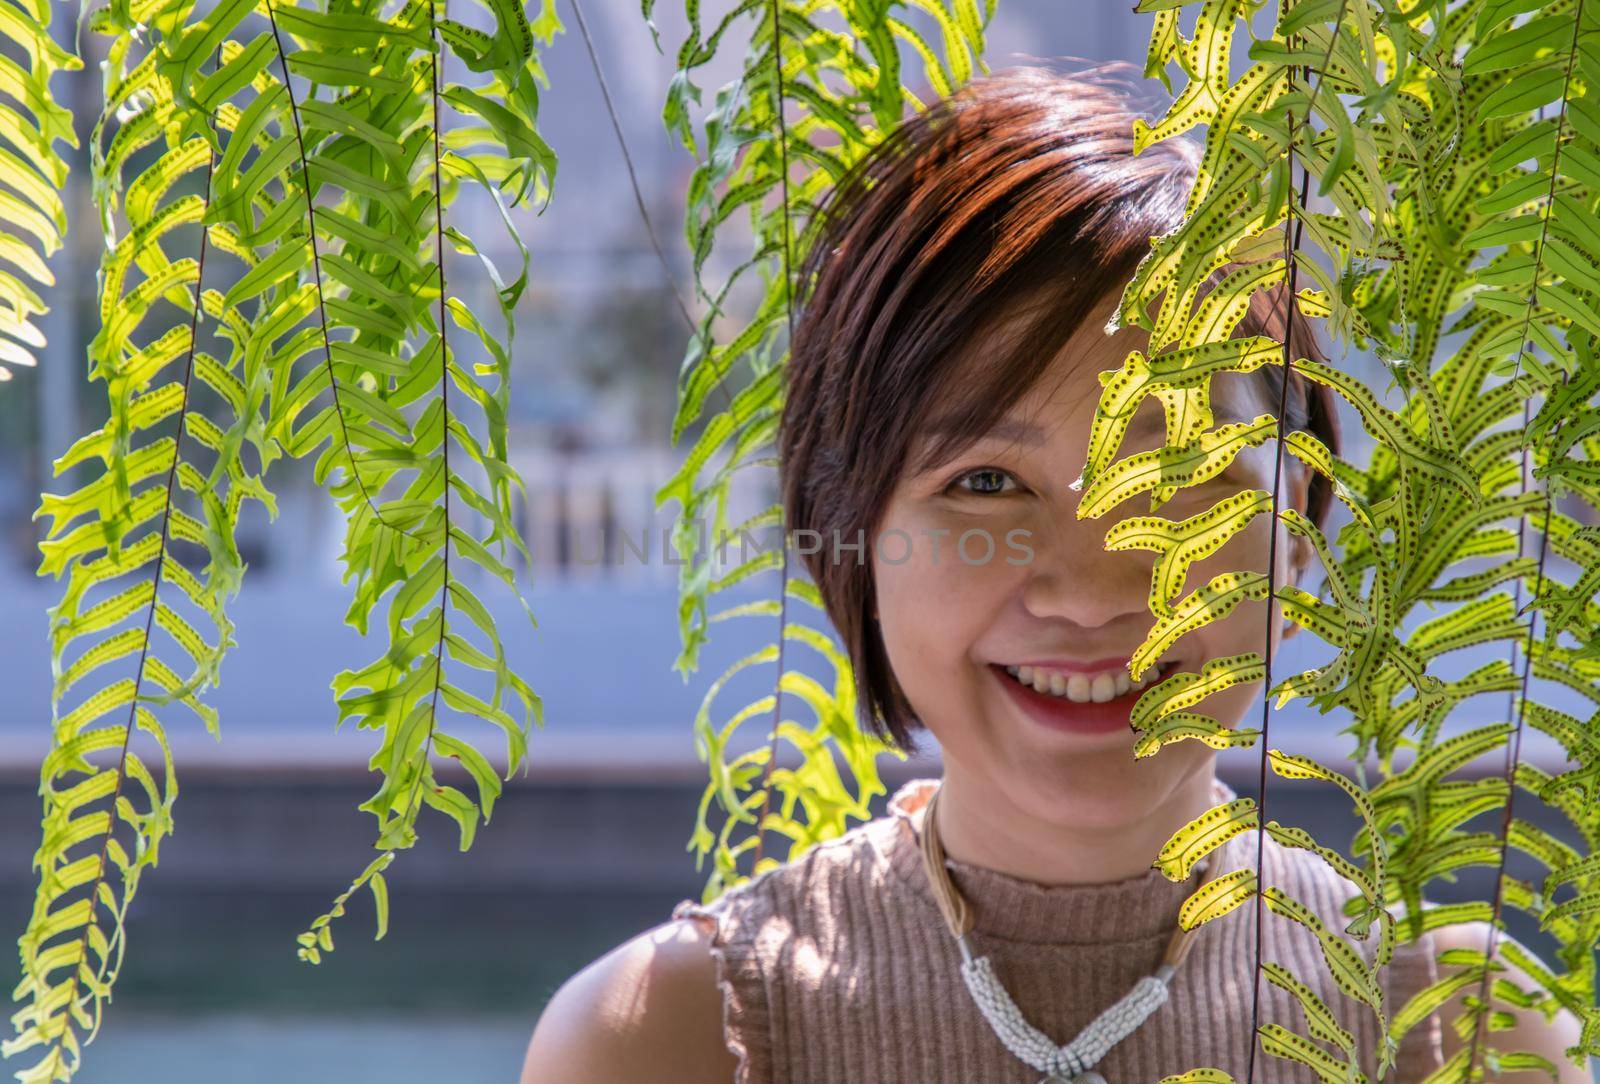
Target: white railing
[590,515]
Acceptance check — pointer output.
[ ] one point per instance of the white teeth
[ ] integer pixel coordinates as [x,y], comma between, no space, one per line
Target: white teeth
[1086,688]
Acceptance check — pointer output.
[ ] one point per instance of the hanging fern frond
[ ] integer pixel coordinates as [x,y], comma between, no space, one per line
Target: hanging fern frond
[1435,208]
[178,456]
[1246,221]
[819,85]
[364,340]
[407,544]
[34,173]
[319,152]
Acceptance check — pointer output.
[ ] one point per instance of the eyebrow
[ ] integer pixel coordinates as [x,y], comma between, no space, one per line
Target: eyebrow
[1022,432]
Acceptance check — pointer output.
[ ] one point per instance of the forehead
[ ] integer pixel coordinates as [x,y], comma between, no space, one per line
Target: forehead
[1067,391]
[1030,425]
[1069,399]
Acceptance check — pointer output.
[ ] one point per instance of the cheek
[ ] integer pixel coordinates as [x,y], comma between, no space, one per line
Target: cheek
[937,597]
[927,594]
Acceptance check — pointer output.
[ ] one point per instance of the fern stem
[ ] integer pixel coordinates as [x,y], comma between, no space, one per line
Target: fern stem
[639,200]
[633,180]
[1272,595]
[411,806]
[1513,761]
[783,542]
[1293,229]
[1519,700]
[316,273]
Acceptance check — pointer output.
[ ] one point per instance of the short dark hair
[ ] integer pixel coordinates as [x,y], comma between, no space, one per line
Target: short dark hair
[1019,185]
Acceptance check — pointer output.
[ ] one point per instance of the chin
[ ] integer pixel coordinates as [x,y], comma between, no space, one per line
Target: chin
[1099,789]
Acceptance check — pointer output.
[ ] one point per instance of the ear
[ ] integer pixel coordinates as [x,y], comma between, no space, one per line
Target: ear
[1301,551]
[1301,554]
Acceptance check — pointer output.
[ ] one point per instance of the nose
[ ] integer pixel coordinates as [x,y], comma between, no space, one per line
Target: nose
[1072,576]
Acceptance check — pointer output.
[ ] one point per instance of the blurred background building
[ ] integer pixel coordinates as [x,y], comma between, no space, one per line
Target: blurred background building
[590,846]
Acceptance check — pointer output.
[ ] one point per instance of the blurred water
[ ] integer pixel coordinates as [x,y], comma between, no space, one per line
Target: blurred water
[267,1049]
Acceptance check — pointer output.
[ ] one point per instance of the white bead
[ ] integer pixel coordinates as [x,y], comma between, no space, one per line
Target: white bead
[1074,1061]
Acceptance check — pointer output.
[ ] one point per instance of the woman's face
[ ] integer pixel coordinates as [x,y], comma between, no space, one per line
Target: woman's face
[953,621]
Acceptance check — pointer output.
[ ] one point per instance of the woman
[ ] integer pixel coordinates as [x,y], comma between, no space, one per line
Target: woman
[941,387]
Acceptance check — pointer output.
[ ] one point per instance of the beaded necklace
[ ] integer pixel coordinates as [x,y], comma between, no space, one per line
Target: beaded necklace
[1070,1064]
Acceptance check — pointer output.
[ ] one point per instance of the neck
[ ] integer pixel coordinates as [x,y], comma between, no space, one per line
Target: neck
[979,830]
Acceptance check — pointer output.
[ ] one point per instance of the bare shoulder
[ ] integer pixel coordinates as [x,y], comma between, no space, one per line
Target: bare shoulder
[649,1009]
[1532,1033]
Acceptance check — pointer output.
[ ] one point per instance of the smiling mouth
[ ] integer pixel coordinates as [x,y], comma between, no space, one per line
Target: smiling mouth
[1086,688]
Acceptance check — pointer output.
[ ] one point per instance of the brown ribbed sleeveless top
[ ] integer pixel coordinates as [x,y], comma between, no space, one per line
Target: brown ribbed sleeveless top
[837,967]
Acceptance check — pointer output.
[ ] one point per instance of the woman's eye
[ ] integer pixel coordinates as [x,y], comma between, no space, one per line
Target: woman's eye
[985,481]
